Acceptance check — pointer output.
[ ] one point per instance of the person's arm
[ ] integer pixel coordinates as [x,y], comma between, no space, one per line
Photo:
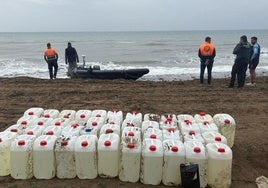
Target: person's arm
[214,53]
[45,57]
[237,49]
[76,56]
[66,60]
[255,52]
[199,54]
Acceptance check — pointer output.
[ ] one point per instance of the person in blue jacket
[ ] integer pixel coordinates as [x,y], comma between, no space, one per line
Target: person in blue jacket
[254,60]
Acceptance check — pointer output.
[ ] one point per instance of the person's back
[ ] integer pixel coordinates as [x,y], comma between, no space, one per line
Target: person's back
[243,50]
[71,54]
[71,58]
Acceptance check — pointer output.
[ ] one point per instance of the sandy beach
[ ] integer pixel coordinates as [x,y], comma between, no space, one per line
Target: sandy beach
[248,106]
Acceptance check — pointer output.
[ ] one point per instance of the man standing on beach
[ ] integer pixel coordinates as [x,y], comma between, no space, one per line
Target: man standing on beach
[254,60]
[51,57]
[206,53]
[71,58]
[242,51]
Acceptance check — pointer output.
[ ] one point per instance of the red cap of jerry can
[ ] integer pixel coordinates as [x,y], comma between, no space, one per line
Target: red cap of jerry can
[43,143]
[153,136]
[174,149]
[202,113]
[131,133]
[218,138]
[227,121]
[30,133]
[40,123]
[94,123]
[221,150]
[152,147]
[130,145]
[197,149]
[107,143]
[21,142]
[84,144]
[82,116]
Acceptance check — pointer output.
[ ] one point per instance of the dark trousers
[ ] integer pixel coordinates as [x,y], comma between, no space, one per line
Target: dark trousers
[51,65]
[202,71]
[239,70]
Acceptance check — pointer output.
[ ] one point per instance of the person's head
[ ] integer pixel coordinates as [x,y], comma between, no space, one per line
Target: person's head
[69,44]
[253,40]
[48,45]
[243,39]
[208,39]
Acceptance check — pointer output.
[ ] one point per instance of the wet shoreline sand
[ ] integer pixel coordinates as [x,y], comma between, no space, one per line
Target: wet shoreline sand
[248,106]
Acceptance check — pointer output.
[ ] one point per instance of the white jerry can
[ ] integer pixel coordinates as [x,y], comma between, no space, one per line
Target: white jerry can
[35,111]
[15,129]
[95,123]
[214,137]
[185,118]
[51,113]
[151,162]
[174,155]
[52,130]
[34,130]
[202,116]
[131,133]
[152,117]
[194,137]
[82,116]
[219,165]
[129,170]
[61,122]
[21,157]
[99,114]
[89,131]
[168,119]
[208,127]
[189,128]
[196,153]
[171,134]
[65,158]
[72,129]
[108,155]
[115,116]
[226,125]
[26,121]
[149,124]
[44,157]
[153,133]
[6,139]
[86,156]
[67,114]
[110,128]
[135,117]
[131,123]
[42,121]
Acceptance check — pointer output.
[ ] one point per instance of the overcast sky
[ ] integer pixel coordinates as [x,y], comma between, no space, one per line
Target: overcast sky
[132,15]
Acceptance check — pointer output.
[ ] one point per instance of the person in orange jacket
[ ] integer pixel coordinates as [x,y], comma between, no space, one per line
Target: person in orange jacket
[51,57]
[206,53]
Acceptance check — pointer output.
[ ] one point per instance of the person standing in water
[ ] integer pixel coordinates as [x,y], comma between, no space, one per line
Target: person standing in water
[242,51]
[206,53]
[71,58]
[51,57]
[254,60]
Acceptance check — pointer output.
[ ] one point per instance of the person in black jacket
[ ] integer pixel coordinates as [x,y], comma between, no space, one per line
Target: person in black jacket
[71,58]
[243,52]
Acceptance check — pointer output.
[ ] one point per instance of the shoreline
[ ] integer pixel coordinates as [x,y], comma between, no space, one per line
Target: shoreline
[248,106]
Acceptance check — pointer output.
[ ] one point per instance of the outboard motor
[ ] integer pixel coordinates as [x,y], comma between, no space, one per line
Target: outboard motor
[96,67]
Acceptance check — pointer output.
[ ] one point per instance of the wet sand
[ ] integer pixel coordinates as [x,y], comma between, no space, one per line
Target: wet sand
[248,106]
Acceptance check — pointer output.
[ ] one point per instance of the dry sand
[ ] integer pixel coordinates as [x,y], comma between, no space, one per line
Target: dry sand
[249,107]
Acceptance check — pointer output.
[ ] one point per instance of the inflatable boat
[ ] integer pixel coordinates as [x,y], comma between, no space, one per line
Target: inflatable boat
[95,72]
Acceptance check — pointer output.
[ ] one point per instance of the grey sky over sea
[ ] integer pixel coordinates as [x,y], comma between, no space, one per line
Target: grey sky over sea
[131,15]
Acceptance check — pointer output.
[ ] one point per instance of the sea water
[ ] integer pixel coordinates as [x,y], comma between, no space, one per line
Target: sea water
[170,55]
